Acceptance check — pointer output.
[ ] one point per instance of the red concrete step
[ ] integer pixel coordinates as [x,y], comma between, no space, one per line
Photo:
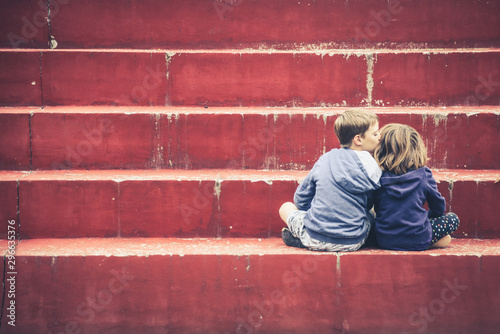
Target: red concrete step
[23,24]
[201,203]
[249,286]
[233,138]
[336,78]
[280,24]
[20,78]
[15,139]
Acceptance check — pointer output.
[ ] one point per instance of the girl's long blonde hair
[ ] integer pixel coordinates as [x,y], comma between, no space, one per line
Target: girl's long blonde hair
[401,149]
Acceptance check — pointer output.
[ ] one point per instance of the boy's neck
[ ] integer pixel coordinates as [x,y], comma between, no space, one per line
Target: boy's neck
[354,147]
[358,149]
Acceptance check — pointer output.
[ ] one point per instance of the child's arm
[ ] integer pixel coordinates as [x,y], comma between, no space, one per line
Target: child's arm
[305,193]
[436,202]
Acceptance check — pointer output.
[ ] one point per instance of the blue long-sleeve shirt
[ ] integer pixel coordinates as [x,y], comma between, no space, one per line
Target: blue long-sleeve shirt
[337,194]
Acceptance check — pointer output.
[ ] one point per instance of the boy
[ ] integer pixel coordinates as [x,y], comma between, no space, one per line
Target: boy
[331,206]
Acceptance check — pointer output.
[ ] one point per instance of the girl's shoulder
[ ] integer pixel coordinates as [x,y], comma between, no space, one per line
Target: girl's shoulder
[421,170]
[414,176]
[427,171]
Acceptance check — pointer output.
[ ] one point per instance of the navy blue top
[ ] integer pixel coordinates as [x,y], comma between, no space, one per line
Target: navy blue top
[337,194]
[402,222]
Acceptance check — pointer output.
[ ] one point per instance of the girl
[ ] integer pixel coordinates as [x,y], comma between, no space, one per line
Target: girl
[402,222]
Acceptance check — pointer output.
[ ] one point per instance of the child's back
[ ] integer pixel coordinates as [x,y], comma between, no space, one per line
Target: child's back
[403,223]
[331,206]
[336,195]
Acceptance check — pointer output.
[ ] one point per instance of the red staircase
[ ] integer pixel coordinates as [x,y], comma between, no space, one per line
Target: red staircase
[146,146]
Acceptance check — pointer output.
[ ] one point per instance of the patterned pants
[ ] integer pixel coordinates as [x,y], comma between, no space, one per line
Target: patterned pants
[295,223]
[444,225]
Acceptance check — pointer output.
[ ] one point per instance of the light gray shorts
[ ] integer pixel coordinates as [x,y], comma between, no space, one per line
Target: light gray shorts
[295,223]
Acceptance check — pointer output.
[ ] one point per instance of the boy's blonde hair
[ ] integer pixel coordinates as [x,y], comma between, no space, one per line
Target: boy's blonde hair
[401,149]
[353,122]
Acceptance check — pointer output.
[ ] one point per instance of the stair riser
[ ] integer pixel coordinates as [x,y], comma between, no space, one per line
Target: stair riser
[436,79]
[228,24]
[15,151]
[24,24]
[250,79]
[205,207]
[268,294]
[152,208]
[339,79]
[20,79]
[8,209]
[230,141]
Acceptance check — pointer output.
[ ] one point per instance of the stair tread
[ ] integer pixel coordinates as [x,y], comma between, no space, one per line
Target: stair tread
[213,174]
[244,110]
[225,246]
[329,51]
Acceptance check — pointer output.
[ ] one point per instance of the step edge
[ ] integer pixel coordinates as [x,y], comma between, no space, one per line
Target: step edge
[145,247]
[331,52]
[193,110]
[219,175]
